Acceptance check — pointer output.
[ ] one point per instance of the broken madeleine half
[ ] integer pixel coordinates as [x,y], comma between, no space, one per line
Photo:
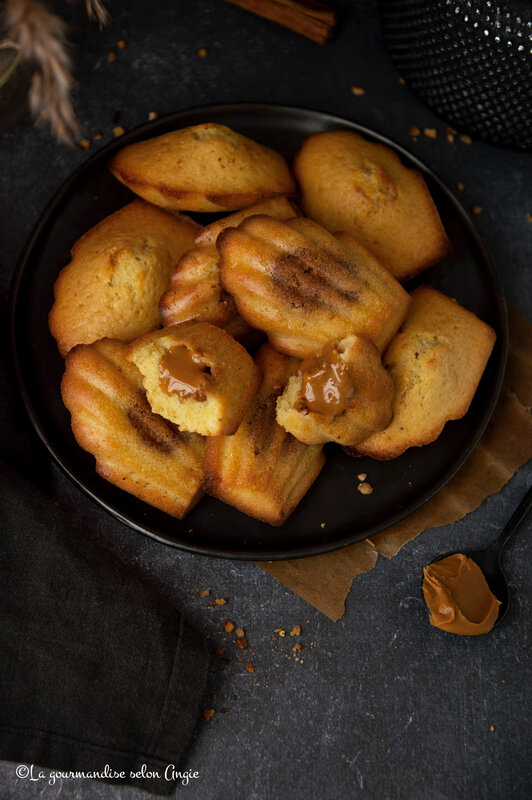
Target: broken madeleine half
[343,394]
[197,376]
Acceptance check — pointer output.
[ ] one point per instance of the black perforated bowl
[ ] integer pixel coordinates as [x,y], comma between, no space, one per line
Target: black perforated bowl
[468,60]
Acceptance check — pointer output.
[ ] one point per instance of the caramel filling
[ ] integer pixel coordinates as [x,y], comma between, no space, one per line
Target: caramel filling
[182,372]
[327,385]
[458,596]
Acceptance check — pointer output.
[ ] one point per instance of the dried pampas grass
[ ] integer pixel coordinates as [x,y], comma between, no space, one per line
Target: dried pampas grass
[41,37]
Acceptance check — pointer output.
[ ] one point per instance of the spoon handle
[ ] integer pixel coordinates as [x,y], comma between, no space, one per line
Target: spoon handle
[513,523]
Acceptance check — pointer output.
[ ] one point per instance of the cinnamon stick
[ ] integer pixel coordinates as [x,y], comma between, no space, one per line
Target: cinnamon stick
[309,18]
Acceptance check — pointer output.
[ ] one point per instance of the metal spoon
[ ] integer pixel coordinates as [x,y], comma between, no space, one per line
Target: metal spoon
[489,559]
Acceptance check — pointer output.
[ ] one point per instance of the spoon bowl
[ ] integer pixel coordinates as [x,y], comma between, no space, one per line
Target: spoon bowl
[489,558]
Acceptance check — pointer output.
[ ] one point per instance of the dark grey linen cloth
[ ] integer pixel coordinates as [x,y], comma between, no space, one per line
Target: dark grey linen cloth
[98,669]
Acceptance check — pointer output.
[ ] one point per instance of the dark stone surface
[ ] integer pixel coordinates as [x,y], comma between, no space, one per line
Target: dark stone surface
[381,704]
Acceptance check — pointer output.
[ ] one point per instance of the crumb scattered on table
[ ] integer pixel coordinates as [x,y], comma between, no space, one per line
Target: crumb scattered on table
[365,488]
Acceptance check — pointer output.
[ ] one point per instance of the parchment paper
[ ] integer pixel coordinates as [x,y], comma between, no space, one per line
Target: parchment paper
[325,580]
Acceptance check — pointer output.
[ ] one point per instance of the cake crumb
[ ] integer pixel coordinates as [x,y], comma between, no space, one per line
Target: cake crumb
[450,133]
[220,601]
[465,138]
[402,81]
[97,137]
[229,626]
[242,643]
[296,630]
[362,476]
[358,91]
[208,713]
[322,524]
[205,593]
[477,209]
[297,647]
[280,631]
[219,651]
[240,632]
[528,216]
[121,44]
[414,131]
[111,57]
[460,187]
[84,144]
[430,133]
[250,667]
[118,130]
[492,727]
[202,52]
[365,487]
[152,115]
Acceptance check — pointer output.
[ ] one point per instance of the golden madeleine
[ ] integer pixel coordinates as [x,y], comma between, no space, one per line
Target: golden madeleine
[436,361]
[262,470]
[354,185]
[205,167]
[305,287]
[119,269]
[135,449]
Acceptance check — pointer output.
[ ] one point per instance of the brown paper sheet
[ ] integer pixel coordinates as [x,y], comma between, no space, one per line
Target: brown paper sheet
[324,581]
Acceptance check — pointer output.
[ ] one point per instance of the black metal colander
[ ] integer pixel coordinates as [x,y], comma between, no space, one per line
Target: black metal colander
[468,60]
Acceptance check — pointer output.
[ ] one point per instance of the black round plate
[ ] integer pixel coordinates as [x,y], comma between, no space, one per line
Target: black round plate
[333,513]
